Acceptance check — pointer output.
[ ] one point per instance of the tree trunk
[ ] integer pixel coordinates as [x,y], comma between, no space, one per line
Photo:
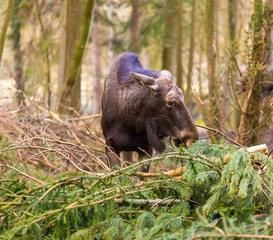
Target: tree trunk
[201,48]
[232,20]
[168,56]
[211,58]
[249,124]
[45,49]
[191,54]
[134,27]
[216,27]
[16,23]
[97,91]
[76,38]
[73,16]
[268,32]
[179,77]
[5,27]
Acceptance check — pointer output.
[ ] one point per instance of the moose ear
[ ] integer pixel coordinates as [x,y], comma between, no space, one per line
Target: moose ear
[166,73]
[145,81]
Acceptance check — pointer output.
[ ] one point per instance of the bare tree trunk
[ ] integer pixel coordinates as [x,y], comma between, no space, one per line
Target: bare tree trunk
[5,27]
[249,124]
[169,49]
[201,19]
[69,96]
[97,91]
[268,32]
[216,27]
[16,23]
[73,16]
[62,64]
[191,54]
[46,53]
[200,89]
[211,57]
[179,73]
[233,20]
[134,27]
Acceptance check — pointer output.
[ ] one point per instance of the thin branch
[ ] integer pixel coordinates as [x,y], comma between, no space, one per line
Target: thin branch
[145,202]
[222,134]
[22,173]
[225,236]
[236,64]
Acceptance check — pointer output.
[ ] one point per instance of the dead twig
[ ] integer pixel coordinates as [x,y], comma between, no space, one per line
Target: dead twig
[222,134]
[22,173]
[172,173]
[225,236]
[144,202]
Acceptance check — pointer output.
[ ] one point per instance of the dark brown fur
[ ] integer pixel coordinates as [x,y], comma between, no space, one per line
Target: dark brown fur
[140,107]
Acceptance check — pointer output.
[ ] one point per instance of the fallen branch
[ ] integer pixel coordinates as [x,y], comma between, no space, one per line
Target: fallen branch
[172,173]
[144,202]
[225,236]
[258,148]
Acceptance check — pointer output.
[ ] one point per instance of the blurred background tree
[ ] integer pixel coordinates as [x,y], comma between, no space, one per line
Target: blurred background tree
[5,26]
[15,38]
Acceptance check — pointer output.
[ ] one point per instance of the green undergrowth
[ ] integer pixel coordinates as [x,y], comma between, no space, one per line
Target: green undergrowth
[225,192]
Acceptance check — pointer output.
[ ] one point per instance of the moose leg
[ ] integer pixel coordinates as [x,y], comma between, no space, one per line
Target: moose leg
[112,152]
[117,143]
[127,156]
[113,157]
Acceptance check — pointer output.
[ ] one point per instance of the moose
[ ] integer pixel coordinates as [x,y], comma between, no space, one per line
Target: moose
[141,107]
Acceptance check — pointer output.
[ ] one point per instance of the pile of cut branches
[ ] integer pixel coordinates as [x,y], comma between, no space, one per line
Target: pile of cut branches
[39,138]
[222,192]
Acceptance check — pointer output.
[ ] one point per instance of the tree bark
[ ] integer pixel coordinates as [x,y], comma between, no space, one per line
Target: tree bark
[191,54]
[134,27]
[69,96]
[249,124]
[211,58]
[216,27]
[268,32]
[97,90]
[16,23]
[46,53]
[232,20]
[201,47]
[169,49]
[5,27]
[179,72]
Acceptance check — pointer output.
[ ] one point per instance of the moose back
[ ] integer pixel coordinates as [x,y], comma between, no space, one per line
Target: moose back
[140,107]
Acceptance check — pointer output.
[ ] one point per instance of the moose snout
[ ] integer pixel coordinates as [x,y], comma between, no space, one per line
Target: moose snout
[186,137]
